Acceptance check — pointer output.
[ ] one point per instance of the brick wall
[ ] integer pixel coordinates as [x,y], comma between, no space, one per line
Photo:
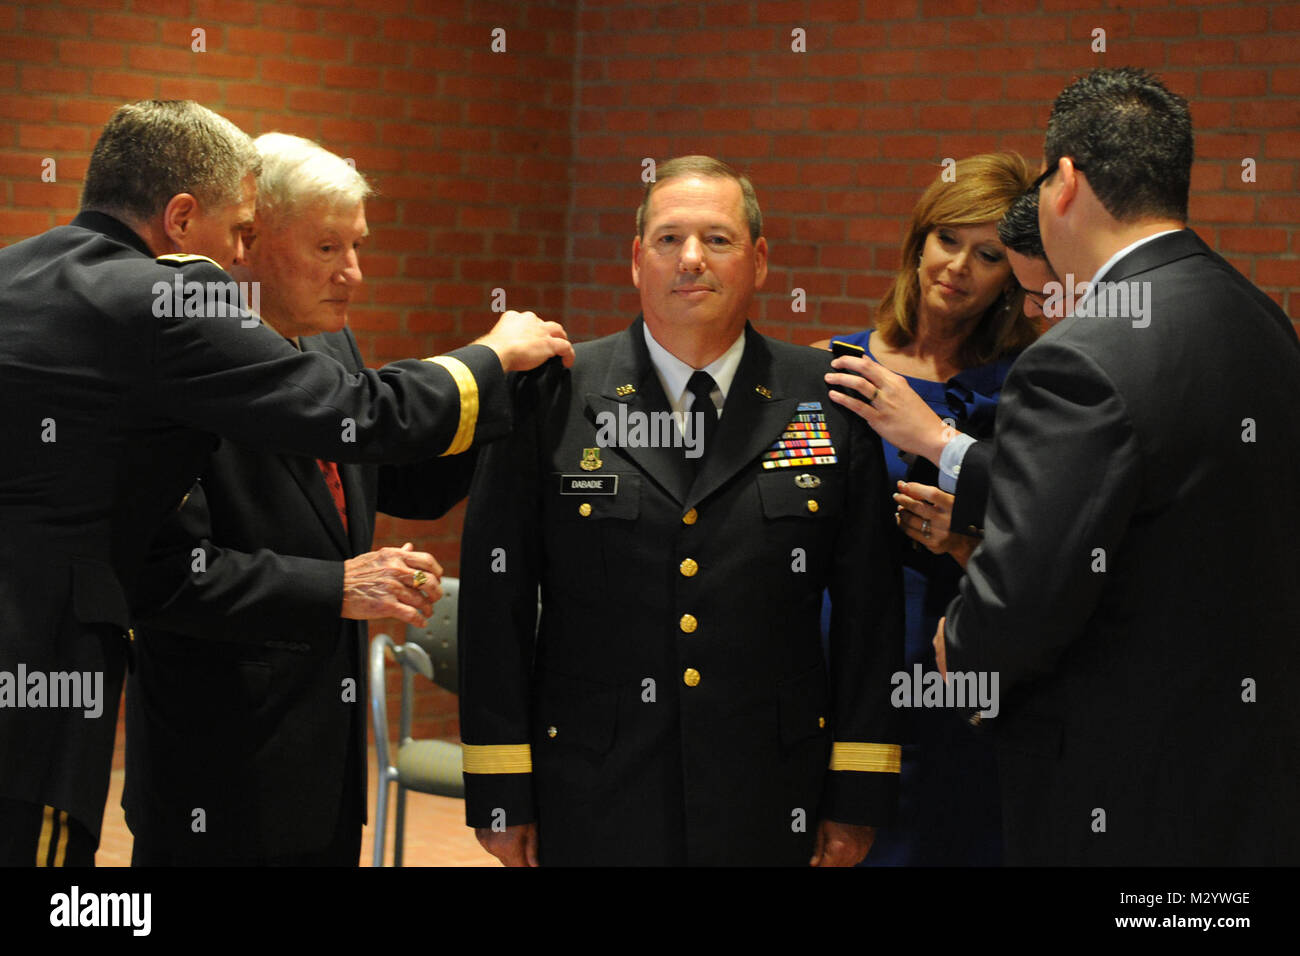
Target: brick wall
[841,139]
[520,170]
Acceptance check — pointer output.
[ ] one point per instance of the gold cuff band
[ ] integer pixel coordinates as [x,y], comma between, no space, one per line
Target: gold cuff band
[468,389]
[498,758]
[877,758]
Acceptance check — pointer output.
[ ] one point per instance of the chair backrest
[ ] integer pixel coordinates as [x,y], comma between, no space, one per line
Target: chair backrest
[438,636]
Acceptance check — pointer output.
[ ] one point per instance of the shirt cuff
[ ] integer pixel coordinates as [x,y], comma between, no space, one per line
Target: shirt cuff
[950,460]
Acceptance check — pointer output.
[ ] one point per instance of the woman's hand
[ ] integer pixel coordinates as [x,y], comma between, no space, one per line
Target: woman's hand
[925,515]
[897,413]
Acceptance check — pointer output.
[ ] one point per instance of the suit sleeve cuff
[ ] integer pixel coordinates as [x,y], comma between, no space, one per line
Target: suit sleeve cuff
[862,784]
[498,785]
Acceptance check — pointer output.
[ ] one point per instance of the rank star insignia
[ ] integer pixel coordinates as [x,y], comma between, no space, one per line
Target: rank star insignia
[590,459]
[763,390]
[624,390]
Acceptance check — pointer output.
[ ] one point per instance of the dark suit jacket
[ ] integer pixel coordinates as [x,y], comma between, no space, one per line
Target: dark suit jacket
[972,491]
[1136,588]
[248,695]
[676,706]
[110,411]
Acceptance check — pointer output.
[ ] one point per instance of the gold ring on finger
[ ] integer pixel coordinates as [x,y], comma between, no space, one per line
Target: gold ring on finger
[420,578]
[925,527]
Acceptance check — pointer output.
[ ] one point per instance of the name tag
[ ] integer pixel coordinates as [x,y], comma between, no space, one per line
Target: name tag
[588,484]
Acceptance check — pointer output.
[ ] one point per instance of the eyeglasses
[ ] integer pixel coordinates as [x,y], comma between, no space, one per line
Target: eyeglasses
[1046,174]
[1038,298]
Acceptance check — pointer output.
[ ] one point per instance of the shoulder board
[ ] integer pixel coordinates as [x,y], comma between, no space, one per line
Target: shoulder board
[183,258]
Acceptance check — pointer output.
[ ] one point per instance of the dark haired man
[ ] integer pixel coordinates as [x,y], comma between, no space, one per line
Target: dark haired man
[123,351]
[1140,618]
[674,706]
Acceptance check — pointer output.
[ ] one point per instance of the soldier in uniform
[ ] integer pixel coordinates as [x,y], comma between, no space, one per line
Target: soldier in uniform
[681,497]
[112,395]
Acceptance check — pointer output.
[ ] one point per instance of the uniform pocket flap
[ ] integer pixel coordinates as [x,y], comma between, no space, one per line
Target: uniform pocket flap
[573,710]
[797,492]
[803,704]
[97,596]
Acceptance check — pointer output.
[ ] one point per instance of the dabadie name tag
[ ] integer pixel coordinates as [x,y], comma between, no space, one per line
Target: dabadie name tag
[588,484]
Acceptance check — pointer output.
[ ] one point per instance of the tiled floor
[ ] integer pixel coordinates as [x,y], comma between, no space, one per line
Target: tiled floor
[436,834]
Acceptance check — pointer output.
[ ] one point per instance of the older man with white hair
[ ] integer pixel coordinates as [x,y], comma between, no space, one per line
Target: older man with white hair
[246,710]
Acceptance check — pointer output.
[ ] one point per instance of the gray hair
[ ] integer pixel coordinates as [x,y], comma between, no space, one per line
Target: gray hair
[708,168]
[153,150]
[297,173]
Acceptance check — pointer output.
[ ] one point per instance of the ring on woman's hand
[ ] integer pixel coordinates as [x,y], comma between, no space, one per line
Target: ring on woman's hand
[925,527]
[420,578]
[874,396]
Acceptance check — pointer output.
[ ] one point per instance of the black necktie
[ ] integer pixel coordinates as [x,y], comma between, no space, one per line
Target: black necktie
[700,385]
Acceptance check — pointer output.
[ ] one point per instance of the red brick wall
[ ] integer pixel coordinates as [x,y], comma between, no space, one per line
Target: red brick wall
[841,139]
[521,170]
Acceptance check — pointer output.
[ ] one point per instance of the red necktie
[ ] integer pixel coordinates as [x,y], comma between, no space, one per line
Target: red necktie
[335,484]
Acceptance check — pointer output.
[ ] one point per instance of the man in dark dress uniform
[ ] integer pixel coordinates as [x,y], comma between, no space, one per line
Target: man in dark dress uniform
[119,359]
[682,497]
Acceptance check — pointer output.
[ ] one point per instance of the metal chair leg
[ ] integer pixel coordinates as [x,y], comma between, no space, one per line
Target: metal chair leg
[399,837]
[381,816]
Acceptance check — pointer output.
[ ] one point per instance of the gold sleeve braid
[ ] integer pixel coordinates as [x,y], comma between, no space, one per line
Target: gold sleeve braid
[877,758]
[498,758]
[468,388]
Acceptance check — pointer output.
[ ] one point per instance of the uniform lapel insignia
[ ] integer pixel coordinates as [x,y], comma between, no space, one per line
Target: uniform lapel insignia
[763,390]
[624,390]
[590,459]
[805,440]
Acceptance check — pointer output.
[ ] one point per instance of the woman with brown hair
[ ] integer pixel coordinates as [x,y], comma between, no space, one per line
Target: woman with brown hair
[951,325]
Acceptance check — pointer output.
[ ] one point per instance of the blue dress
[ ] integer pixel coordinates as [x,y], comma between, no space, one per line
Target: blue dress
[949,809]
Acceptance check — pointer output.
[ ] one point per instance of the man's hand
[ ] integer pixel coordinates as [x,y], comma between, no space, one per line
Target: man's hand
[384,583]
[897,413]
[523,341]
[925,515]
[513,846]
[841,844]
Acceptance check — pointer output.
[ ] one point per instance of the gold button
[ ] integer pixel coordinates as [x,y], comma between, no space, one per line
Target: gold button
[812,505]
[691,517]
[688,568]
[688,623]
[691,677]
[130,634]
[584,509]
[821,722]
[551,731]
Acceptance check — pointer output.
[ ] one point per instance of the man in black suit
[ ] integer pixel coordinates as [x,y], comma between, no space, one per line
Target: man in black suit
[116,369]
[682,497]
[1140,618]
[246,710]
